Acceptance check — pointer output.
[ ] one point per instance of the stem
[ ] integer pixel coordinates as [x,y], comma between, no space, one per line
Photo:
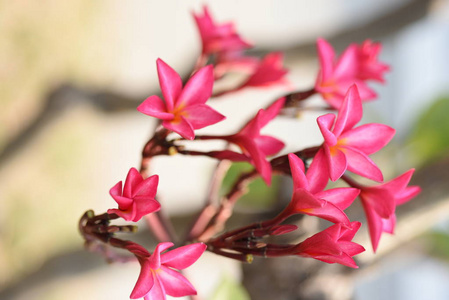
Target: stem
[227,205]
[352,182]
[294,98]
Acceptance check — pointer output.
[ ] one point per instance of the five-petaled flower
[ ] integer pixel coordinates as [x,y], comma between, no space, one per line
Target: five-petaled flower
[255,147]
[355,66]
[184,109]
[158,276]
[380,201]
[309,198]
[218,38]
[346,147]
[332,245]
[137,198]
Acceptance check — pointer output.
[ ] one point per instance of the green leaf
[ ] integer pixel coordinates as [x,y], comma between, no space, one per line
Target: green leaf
[429,139]
[230,289]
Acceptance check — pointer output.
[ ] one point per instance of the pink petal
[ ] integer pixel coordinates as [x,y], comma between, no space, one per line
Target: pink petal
[399,183]
[182,257]
[144,283]
[337,162]
[326,57]
[157,292]
[374,225]
[133,179]
[259,161]
[199,87]
[368,138]
[155,259]
[271,112]
[126,215]
[144,206]
[155,107]
[147,188]
[380,200]
[269,145]
[182,127]
[407,194]
[361,164]
[170,82]
[325,123]
[389,224]
[123,202]
[347,65]
[340,197]
[202,115]
[318,172]
[297,170]
[174,283]
[350,113]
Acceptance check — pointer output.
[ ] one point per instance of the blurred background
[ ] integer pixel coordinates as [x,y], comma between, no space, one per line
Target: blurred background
[73,72]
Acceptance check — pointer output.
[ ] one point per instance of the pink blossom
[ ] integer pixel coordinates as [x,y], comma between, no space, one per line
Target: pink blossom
[369,66]
[137,198]
[332,245]
[255,147]
[270,71]
[380,201]
[355,66]
[157,275]
[346,147]
[183,109]
[218,38]
[309,198]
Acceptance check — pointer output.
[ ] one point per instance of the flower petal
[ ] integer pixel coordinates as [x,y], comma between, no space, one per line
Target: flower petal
[325,123]
[174,283]
[368,138]
[269,145]
[182,257]
[170,82]
[341,197]
[199,87]
[147,187]
[326,56]
[202,115]
[181,127]
[133,179]
[297,170]
[157,292]
[155,259]
[144,283]
[350,112]
[155,107]
[336,161]
[360,163]
[318,172]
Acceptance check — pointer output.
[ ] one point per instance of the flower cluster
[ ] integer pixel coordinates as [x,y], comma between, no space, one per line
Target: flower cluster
[346,149]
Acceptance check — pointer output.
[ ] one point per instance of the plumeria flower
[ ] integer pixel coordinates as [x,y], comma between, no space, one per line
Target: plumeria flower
[218,38]
[308,197]
[255,147]
[183,109]
[368,65]
[158,276]
[270,71]
[347,147]
[353,67]
[137,198]
[332,245]
[380,201]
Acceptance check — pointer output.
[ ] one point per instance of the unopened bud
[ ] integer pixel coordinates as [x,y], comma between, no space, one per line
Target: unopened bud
[172,150]
[249,258]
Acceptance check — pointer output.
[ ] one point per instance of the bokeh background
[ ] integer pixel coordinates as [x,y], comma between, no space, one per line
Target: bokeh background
[72,73]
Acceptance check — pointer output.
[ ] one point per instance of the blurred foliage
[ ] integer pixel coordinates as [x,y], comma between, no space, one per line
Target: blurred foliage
[438,243]
[429,140]
[230,289]
[260,195]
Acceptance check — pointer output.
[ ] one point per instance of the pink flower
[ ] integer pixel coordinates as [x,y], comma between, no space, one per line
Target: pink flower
[308,197]
[255,147]
[218,38]
[346,147]
[332,245]
[137,198]
[380,201]
[353,67]
[269,71]
[157,275]
[184,109]
[369,66]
